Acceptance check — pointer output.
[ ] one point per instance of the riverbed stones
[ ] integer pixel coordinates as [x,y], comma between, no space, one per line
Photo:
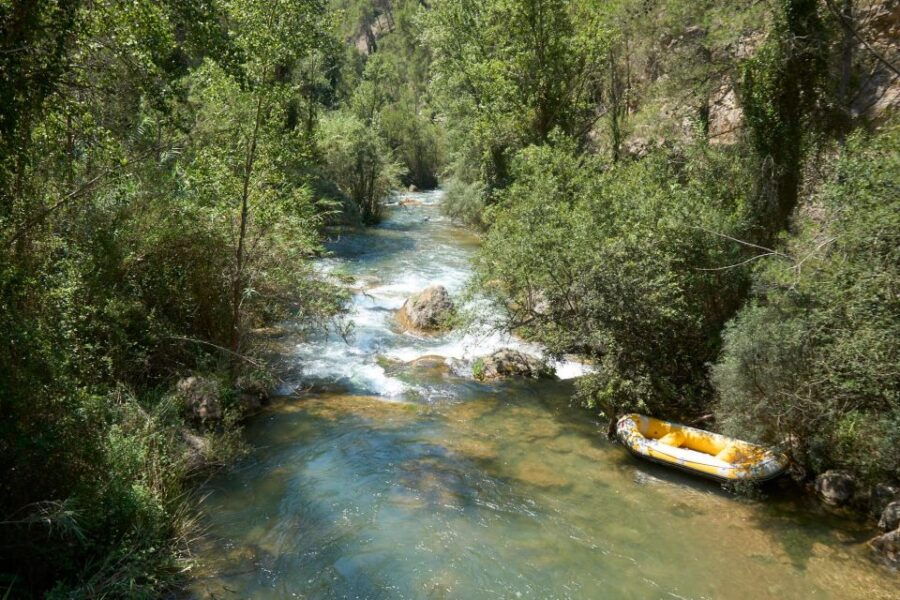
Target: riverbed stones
[890,516]
[473,448]
[835,488]
[339,406]
[201,397]
[428,311]
[507,362]
[431,365]
[887,548]
[539,474]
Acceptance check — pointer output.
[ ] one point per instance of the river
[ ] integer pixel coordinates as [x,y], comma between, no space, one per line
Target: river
[384,479]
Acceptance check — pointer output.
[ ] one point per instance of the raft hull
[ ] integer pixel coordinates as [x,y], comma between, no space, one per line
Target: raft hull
[697,451]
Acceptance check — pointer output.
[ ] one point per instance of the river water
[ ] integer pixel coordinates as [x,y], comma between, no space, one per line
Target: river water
[390,478]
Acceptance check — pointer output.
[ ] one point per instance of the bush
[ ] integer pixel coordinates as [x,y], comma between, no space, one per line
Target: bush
[356,157]
[464,202]
[813,358]
[611,263]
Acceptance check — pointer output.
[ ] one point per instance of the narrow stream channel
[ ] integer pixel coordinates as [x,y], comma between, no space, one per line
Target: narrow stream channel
[398,480]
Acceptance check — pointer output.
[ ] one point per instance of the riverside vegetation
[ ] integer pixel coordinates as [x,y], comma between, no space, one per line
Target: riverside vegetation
[699,197]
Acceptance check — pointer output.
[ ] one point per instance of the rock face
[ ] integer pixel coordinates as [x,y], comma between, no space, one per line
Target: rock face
[890,516]
[429,310]
[835,488]
[725,116]
[887,546]
[636,147]
[507,362]
[201,397]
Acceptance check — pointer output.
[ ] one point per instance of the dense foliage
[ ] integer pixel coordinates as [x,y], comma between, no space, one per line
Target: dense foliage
[813,358]
[386,84]
[621,264]
[700,197]
[155,209]
[507,75]
[665,188]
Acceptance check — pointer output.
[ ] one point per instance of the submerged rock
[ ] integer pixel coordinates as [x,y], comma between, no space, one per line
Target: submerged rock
[431,365]
[835,488]
[507,362]
[890,516]
[429,310]
[201,397]
[539,474]
[887,547]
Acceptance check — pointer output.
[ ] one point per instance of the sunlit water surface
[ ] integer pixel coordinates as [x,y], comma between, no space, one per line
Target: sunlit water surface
[392,480]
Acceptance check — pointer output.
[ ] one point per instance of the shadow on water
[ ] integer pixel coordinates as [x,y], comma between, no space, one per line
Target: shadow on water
[371,245]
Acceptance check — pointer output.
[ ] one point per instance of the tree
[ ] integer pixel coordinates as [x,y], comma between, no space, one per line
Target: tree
[273,36]
[507,73]
[356,157]
[620,265]
[780,89]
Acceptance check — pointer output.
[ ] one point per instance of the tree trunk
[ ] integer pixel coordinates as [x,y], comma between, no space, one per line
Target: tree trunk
[847,43]
[238,282]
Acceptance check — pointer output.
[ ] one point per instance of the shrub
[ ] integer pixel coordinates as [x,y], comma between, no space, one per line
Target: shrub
[417,141]
[464,202]
[813,358]
[620,264]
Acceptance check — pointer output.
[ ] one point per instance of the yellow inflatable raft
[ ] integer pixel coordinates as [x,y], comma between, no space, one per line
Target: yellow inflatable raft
[698,451]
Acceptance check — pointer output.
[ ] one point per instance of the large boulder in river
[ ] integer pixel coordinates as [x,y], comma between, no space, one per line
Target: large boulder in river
[887,547]
[201,397]
[507,362]
[429,310]
[431,366]
[835,488]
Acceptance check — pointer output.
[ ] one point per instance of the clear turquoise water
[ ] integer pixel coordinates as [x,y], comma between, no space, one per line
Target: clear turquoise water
[396,481]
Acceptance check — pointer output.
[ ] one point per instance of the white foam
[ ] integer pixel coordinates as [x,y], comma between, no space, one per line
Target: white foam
[352,367]
[569,369]
[331,359]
